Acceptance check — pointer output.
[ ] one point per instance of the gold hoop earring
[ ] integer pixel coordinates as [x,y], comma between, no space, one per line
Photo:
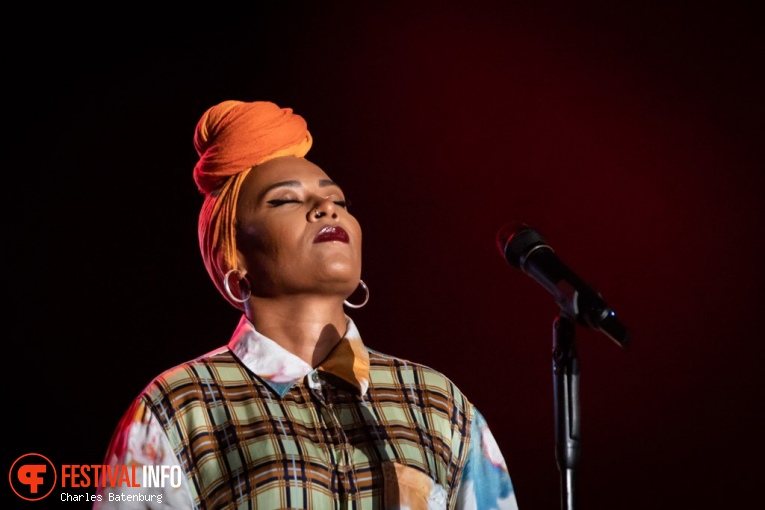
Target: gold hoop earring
[366,298]
[228,287]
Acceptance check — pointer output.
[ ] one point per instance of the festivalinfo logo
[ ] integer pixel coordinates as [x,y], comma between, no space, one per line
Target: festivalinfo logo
[33,477]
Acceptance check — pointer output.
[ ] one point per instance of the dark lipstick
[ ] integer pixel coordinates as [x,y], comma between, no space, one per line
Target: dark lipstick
[331,233]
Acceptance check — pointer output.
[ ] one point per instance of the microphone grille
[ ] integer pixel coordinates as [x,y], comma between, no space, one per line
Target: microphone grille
[515,239]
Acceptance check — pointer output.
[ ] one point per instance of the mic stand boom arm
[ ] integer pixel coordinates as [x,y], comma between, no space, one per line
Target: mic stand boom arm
[567,415]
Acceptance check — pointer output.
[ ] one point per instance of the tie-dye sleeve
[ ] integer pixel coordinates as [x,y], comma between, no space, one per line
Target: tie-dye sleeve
[138,441]
[486,483]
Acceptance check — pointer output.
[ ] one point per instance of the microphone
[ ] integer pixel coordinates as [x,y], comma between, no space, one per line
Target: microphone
[524,248]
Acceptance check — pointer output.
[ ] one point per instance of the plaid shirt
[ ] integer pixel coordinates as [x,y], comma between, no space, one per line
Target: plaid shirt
[251,425]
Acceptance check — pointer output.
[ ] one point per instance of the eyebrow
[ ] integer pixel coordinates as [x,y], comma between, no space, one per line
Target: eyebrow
[323,183]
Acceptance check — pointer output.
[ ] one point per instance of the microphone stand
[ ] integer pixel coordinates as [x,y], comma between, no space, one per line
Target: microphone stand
[567,415]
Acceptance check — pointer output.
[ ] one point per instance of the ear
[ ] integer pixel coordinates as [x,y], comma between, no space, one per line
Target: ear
[241,264]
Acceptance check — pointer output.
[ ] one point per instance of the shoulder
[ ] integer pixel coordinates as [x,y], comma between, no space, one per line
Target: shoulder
[205,367]
[397,373]
[381,362]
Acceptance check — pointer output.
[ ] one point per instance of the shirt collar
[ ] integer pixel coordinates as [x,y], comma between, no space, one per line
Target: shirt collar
[280,369]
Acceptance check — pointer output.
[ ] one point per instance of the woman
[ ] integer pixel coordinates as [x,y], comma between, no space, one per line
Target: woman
[295,412]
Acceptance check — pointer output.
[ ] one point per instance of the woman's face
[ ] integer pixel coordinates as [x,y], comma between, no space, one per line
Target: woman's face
[294,232]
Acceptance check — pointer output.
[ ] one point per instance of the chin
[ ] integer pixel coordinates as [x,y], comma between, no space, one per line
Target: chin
[340,270]
[345,281]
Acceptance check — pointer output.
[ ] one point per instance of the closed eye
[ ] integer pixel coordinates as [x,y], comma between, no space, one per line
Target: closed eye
[276,202]
[345,204]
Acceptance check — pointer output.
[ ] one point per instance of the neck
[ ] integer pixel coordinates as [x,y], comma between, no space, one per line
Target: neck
[307,327]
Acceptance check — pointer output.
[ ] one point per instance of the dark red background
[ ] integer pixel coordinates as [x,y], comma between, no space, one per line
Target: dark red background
[628,133]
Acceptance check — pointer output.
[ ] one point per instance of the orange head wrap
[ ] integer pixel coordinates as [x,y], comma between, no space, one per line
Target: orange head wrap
[231,138]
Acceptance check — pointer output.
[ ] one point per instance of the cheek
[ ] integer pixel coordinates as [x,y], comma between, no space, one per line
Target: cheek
[357,234]
[252,238]
[269,242]
[256,239]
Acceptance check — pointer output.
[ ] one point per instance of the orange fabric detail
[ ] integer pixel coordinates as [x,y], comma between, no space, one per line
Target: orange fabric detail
[349,360]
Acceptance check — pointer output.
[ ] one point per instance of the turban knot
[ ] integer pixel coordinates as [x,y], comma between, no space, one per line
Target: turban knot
[234,136]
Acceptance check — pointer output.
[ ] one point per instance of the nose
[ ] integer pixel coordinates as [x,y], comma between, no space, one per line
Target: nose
[324,207]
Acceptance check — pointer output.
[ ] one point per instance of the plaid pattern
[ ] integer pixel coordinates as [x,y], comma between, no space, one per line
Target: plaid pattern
[322,444]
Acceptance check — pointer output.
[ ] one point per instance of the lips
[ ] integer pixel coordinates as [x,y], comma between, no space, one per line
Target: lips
[331,233]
